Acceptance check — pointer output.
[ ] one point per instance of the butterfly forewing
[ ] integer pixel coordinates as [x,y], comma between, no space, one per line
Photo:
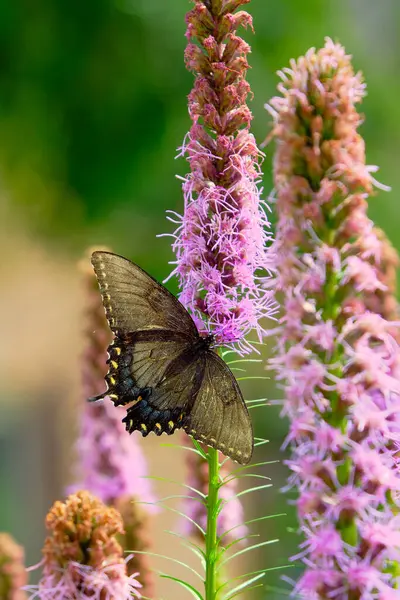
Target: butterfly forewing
[160,368]
[134,301]
[219,417]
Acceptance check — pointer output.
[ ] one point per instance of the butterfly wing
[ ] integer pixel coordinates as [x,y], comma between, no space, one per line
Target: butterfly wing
[219,416]
[134,301]
[152,368]
[165,396]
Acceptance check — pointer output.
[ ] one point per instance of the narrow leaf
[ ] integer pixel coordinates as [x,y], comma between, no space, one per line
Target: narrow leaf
[228,479]
[255,400]
[243,586]
[250,490]
[189,545]
[253,587]
[178,512]
[164,479]
[250,521]
[251,466]
[248,549]
[195,593]
[180,446]
[245,360]
[175,560]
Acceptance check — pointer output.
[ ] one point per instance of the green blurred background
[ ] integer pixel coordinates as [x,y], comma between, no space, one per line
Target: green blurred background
[92,109]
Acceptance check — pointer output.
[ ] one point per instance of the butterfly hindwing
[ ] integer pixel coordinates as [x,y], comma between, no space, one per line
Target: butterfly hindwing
[165,406]
[219,416]
[134,301]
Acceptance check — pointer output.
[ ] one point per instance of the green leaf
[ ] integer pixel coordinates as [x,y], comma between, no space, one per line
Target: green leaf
[228,478]
[257,400]
[189,487]
[251,466]
[178,512]
[260,443]
[180,446]
[175,560]
[199,449]
[184,496]
[248,549]
[250,521]
[195,593]
[253,406]
[190,545]
[253,587]
[242,586]
[238,540]
[250,490]
[245,360]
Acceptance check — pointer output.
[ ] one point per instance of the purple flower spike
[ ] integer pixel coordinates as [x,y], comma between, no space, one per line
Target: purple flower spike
[338,354]
[221,239]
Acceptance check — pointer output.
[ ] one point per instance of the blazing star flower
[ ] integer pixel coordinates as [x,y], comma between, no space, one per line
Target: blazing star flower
[338,356]
[82,557]
[13,574]
[220,243]
[111,461]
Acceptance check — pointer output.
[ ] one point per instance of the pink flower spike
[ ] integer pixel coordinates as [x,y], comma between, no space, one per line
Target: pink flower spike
[338,352]
[222,238]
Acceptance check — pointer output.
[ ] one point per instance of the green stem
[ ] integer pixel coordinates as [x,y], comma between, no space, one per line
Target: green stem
[212,516]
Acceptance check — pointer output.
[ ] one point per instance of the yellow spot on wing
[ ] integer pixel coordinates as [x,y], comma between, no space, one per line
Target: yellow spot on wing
[143,427]
[117,350]
[171,424]
[158,426]
[114,364]
[114,396]
[112,381]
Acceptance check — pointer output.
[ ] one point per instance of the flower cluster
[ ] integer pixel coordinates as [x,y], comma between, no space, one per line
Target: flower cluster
[338,357]
[221,239]
[82,557]
[13,574]
[230,525]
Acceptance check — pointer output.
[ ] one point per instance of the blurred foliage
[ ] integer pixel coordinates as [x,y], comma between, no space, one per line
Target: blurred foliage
[93,107]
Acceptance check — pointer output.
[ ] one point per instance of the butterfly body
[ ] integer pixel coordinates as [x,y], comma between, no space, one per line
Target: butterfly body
[161,369]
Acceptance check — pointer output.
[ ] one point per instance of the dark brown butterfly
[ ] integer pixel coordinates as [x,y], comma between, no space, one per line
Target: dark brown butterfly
[161,369]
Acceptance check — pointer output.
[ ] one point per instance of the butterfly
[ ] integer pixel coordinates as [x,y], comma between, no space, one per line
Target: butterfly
[161,369]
